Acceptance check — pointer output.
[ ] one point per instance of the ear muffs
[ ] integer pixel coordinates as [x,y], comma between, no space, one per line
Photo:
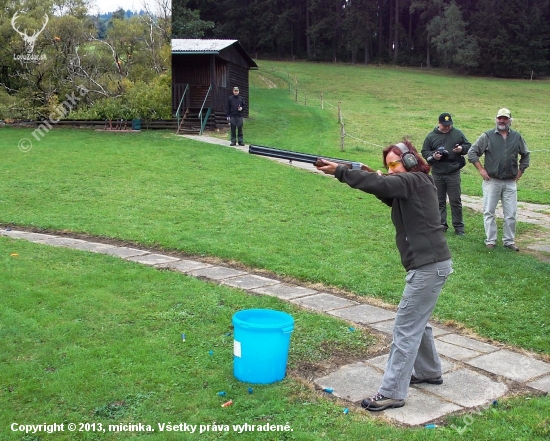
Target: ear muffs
[407,158]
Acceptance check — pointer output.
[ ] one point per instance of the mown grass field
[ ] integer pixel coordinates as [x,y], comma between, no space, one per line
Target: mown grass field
[89,338]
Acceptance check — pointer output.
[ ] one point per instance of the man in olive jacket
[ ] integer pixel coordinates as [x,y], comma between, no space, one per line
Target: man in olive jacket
[444,149]
[500,172]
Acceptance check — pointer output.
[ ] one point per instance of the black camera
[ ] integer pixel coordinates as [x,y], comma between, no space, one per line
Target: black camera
[441,150]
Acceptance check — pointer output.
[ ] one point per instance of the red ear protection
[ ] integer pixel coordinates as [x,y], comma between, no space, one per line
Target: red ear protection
[407,158]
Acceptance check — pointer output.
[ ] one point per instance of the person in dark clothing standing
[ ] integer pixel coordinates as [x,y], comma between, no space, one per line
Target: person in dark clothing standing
[445,148]
[410,192]
[234,114]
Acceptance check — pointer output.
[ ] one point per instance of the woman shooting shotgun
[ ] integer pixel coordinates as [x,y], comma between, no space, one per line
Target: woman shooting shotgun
[410,192]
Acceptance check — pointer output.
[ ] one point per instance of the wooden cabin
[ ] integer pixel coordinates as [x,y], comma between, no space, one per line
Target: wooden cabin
[204,73]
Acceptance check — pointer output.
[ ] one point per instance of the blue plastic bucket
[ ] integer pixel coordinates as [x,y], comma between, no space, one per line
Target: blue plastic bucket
[260,345]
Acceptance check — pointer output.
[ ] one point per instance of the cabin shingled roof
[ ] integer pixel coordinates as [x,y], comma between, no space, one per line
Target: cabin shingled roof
[197,46]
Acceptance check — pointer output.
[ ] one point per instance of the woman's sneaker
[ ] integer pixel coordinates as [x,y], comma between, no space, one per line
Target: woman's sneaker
[437,380]
[380,402]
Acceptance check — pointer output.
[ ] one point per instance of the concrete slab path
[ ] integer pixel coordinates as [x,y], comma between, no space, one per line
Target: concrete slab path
[475,373]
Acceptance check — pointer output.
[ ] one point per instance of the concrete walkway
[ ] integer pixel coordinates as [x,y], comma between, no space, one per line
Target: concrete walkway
[475,373]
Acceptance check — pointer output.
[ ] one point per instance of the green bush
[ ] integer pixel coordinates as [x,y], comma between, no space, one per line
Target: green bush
[142,100]
[19,107]
[151,101]
[6,100]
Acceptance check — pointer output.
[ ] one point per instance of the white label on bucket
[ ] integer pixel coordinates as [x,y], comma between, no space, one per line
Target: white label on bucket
[237,348]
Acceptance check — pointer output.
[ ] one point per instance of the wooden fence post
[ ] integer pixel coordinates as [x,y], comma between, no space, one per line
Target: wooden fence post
[339,113]
[342,137]
[322,102]
[289,84]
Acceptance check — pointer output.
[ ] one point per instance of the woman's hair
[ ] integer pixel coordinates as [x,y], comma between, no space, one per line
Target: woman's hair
[422,165]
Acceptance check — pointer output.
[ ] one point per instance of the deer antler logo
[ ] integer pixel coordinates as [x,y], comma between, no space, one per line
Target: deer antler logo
[29,40]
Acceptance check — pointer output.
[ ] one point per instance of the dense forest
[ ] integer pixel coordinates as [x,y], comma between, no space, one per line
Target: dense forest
[505,38]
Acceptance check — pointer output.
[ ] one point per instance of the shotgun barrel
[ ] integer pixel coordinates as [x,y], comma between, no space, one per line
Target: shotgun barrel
[303,157]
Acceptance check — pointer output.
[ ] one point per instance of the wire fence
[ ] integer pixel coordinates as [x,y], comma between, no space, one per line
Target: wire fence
[317,98]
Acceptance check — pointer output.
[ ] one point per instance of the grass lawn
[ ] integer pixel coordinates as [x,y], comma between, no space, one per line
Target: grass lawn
[90,338]
[163,191]
[87,338]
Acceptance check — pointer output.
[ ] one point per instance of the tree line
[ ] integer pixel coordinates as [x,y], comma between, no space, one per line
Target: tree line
[57,58]
[505,38]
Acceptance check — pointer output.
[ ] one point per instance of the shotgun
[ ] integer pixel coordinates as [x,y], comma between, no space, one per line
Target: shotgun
[303,157]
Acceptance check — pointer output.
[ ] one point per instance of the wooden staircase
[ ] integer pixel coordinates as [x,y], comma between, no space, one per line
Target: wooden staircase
[190,123]
[187,102]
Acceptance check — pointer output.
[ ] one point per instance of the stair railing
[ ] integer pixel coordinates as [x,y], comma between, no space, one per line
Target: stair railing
[203,123]
[179,108]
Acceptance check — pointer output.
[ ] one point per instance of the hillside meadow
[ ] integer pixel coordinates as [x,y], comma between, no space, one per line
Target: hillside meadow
[381,105]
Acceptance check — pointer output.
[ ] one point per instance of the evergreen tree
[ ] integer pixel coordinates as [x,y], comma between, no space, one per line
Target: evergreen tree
[186,23]
[451,39]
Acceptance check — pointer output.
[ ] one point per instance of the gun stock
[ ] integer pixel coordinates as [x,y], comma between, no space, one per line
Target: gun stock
[303,157]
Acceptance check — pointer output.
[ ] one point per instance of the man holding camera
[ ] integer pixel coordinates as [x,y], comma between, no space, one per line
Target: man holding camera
[444,149]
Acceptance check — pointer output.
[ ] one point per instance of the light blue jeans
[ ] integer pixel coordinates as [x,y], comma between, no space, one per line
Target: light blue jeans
[506,191]
[413,349]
